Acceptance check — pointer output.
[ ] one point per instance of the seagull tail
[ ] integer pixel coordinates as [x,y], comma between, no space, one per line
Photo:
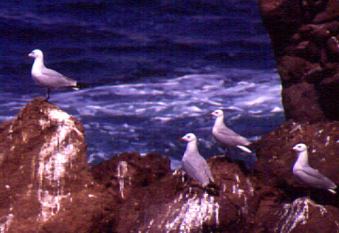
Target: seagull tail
[245,149]
[332,191]
[79,86]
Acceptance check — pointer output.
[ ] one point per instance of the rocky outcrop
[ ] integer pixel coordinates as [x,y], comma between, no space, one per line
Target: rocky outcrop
[294,212]
[47,185]
[276,157]
[152,198]
[305,38]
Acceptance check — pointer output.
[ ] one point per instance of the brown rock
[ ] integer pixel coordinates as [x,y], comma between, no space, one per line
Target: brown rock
[330,95]
[168,202]
[282,19]
[333,49]
[331,12]
[293,69]
[314,32]
[300,215]
[302,100]
[276,157]
[47,186]
[305,42]
[44,178]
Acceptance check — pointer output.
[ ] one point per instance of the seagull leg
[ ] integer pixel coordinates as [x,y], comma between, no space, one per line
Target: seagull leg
[47,93]
[308,195]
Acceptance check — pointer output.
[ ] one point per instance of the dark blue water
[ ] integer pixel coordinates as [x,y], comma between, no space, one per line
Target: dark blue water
[157,68]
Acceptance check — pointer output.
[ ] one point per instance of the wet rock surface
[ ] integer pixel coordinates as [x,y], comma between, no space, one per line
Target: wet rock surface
[305,37]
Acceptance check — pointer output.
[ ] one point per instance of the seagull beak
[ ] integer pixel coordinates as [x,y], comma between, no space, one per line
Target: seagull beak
[212,114]
[181,140]
[31,55]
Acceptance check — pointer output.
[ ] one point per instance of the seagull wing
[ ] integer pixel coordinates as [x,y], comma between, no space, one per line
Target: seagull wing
[314,178]
[229,137]
[57,80]
[197,168]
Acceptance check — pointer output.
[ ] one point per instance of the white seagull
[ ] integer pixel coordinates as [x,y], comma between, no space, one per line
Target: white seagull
[227,137]
[193,163]
[309,175]
[48,78]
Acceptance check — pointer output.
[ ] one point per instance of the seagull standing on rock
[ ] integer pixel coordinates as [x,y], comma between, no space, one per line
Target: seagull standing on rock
[193,163]
[309,175]
[48,78]
[227,137]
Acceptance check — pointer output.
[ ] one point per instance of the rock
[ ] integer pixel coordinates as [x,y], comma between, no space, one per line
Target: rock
[300,215]
[156,199]
[302,100]
[44,179]
[305,36]
[276,157]
[330,13]
[47,185]
[333,48]
[292,211]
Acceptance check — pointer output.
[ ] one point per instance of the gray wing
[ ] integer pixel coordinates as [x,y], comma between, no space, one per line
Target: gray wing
[314,178]
[228,137]
[198,169]
[54,79]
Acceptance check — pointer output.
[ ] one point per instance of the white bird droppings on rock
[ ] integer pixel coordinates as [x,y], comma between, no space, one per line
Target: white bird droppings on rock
[122,170]
[295,213]
[54,157]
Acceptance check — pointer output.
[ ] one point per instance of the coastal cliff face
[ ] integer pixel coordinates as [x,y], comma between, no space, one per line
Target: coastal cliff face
[47,185]
[305,38]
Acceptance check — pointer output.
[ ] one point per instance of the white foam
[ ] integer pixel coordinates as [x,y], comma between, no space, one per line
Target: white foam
[167,102]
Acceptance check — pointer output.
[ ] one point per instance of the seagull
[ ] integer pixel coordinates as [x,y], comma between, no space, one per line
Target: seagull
[46,77]
[227,137]
[309,175]
[193,163]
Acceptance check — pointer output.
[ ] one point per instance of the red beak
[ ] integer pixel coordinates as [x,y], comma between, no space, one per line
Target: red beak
[181,140]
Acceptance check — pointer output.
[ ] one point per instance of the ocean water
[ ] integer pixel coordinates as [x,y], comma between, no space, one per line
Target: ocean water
[156,69]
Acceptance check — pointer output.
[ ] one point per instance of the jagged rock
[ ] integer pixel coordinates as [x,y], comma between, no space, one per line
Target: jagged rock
[292,211]
[302,99]
[155,199]
[331,11]
[45,185]
[276,157]
[304,36]
[299,215]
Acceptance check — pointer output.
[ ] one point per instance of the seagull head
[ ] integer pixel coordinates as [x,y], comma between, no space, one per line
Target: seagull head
[36,53]
[218,113]
[300,147]
[190,137]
